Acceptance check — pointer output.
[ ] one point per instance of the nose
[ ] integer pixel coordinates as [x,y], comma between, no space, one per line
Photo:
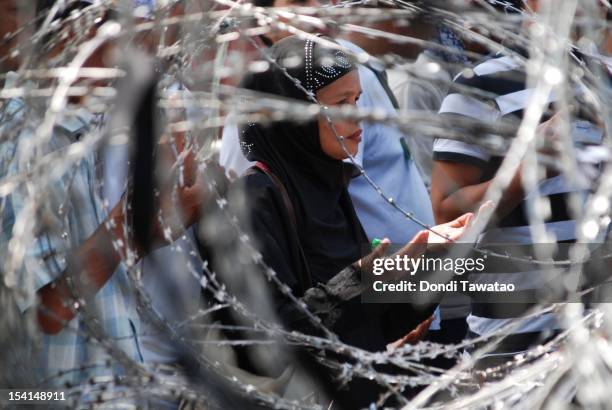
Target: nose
[356,131]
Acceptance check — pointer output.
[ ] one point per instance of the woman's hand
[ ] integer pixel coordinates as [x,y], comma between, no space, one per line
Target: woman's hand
[184,188]
[365,263]
[413,249]
[451,231]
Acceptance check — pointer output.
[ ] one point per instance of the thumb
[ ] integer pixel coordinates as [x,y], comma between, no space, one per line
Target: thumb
[463,220]
[420,237]
[416,246]
[378,252]
[381,248]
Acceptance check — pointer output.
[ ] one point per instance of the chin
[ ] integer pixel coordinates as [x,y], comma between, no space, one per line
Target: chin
[340,154]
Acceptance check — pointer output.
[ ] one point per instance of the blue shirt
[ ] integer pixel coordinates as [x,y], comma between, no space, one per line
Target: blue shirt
[45,216]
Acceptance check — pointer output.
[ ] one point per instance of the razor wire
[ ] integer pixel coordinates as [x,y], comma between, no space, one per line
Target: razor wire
[409,356]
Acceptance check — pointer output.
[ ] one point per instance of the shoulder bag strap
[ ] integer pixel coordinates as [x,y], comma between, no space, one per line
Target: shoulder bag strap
[305,277]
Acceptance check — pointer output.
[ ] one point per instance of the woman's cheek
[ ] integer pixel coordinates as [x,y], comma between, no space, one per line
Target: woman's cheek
[324,128]
[340,129]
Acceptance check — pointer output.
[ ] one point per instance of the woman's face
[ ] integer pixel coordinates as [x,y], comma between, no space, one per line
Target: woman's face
[345,90]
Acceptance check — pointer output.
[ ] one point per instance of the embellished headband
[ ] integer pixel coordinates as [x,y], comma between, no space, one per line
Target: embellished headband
[324,65]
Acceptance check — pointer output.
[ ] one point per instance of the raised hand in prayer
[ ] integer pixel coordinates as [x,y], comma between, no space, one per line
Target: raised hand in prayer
[185,189]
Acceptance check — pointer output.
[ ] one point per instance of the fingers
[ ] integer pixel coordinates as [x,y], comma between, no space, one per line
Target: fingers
[381,248]
[378,252]
[426,324]
[417,246]
[451,231]
[419,332]
[420,237]
[463,220]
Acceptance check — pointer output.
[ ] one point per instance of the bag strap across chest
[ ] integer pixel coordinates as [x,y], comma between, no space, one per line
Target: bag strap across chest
[305,276]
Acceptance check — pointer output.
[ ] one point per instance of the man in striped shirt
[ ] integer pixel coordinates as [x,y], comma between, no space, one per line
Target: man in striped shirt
[495,92]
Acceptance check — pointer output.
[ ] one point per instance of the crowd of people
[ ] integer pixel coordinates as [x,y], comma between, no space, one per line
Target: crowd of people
[101,208]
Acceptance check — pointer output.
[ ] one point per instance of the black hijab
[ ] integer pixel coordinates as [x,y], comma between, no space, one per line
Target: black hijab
[329,232]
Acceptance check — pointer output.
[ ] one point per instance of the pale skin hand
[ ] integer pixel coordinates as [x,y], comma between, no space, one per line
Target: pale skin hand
[418,244]
[451,231]
[416,247]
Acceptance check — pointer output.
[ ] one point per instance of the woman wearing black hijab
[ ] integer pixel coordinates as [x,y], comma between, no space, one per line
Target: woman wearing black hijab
[317,234]
[300,210]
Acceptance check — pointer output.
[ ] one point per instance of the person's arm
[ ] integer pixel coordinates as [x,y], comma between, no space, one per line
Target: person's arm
[348,284]
[456,180]
[456,188]
[96,260]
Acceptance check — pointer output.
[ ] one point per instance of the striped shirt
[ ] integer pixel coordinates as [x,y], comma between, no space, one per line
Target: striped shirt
[69,204]
[500,94]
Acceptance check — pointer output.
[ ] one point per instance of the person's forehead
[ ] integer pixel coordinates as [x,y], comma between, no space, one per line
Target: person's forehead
[348,84]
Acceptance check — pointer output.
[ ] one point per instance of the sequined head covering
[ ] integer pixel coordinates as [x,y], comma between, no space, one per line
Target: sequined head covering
[324,65]
[315,62]
[301,68]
